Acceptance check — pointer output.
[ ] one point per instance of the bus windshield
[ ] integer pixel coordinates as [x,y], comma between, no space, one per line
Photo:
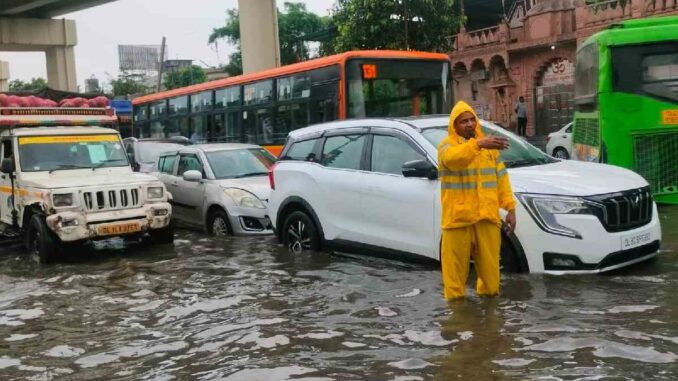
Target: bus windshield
[378,87]
[64,152]
[648,69]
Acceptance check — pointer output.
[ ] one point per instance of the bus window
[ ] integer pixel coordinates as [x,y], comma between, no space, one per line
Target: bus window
[178,105]
[649,69]
[586,75]
[140,113]
[258,92]
[199,129]
[290,117]
[397,88]
[258,126]
[228,97]
[157,109]
[176,127]
[157,130]
[201,101]
[226,127]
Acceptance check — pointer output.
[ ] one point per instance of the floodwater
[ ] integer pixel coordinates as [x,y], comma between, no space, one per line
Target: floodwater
[245,309]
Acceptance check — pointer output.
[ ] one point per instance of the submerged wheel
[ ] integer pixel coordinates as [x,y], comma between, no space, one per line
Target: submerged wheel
[162,236]
[299,233]
[41,243]
[561,153]
[508,258]
[217,224]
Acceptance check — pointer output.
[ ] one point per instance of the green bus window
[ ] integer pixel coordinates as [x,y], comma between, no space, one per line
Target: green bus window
[228,97]
[586,75]
[648,70]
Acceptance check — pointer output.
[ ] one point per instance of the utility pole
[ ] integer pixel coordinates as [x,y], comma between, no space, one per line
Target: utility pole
[407,40]
[162,58]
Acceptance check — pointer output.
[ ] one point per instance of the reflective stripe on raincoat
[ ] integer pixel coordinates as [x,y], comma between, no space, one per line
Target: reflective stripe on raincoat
[474,182]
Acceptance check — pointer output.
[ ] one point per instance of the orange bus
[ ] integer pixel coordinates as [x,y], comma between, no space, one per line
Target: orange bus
[263,107]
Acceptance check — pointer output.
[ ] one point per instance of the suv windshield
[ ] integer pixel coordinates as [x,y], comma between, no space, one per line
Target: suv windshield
[237,163]
[56,152]
[149,152]
[519,154]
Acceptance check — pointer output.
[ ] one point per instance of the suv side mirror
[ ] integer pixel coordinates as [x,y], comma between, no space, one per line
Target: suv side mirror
[420,168]
[192,176]
[7,165]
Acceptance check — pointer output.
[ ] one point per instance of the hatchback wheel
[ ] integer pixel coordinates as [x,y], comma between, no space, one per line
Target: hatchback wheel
[300,233]
[217,224]
[561,153]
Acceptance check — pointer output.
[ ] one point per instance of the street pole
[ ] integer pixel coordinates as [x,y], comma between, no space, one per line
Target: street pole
[407,42]
[162,58]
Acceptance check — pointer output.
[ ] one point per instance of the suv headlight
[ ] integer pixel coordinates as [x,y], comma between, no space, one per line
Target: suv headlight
[244,198]
[61,200]
[544,209]
[154,192]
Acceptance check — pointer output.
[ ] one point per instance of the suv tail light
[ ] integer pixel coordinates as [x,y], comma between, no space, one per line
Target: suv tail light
[271,176]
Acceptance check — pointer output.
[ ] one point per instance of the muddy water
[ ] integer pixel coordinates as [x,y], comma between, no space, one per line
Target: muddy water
[244,309]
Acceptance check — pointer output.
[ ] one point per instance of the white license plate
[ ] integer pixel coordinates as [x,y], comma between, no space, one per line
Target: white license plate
[630,241]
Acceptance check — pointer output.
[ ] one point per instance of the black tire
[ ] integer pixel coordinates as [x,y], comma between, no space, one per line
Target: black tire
[561,153]
[299,233]
[41,243]
[162,236]
[508,258]
[218,224]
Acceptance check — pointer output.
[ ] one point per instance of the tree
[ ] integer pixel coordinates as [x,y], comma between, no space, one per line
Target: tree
[295,26]
[128,84]
[187,76]
[395,24]
[32,85]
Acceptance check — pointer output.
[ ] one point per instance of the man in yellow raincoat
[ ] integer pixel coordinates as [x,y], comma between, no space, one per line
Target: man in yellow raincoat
[474,185]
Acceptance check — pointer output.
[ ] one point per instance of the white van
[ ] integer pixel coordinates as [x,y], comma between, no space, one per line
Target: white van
[371,186]
[65,179]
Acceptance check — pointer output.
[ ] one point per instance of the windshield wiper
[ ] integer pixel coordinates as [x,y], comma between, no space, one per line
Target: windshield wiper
[101,163]
[69,166]
[524,163]
[251,174]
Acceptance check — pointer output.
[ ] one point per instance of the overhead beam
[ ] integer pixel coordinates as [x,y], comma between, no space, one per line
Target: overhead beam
[17,6]
[45,8]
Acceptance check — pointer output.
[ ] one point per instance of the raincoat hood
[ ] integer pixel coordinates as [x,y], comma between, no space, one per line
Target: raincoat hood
[457,110]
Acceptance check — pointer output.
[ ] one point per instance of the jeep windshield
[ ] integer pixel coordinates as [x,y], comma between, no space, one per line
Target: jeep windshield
[519,154]
[238,163]
[67,152]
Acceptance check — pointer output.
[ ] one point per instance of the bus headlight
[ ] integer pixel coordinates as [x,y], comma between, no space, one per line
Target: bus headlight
[244,198]
[154,192]
[544,209]
[62,200]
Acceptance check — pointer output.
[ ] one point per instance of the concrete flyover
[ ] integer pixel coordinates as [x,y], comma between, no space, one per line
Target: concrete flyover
[27,25]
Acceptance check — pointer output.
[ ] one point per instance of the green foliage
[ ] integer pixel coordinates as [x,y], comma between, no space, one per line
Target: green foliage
[185,77]
[128,84]
[380,24]
[295,26]
[32,85]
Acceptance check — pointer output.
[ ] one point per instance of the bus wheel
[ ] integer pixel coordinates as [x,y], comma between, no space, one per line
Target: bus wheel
[561,153]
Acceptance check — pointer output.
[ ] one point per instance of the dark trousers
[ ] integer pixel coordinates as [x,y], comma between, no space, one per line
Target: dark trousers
[522,126]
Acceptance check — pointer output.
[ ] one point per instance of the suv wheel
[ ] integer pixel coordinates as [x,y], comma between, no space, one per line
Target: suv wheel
[508,258]
[41,243]
[299,233]
[217,224]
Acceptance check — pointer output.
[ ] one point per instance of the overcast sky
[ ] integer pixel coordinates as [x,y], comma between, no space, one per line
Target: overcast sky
[186,24]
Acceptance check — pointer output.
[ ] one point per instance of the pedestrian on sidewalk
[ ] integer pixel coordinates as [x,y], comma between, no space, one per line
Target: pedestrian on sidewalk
[474,185]
[521,113]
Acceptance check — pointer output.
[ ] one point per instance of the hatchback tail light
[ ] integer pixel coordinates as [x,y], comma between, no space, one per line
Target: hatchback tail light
[548,137]
[271,176]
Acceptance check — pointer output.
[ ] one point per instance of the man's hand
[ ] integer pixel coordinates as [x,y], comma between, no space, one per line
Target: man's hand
[493,142]
[510,222]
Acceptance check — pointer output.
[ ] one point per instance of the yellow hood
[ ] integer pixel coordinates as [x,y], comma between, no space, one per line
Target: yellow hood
[457,110]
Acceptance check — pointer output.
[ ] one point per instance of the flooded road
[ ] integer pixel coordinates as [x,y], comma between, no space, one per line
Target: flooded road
[245,309]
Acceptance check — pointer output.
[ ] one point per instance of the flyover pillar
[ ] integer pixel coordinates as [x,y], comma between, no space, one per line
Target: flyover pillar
[56,38]
[259,42]
[4,76]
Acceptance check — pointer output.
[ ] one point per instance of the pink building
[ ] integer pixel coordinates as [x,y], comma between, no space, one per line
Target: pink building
[531,53]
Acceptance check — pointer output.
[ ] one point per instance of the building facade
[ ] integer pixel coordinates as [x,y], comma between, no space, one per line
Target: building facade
[531,53]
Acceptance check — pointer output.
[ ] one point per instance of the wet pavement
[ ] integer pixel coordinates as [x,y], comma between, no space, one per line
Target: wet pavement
[245,309]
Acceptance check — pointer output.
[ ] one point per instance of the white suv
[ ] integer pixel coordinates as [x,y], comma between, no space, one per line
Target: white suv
[370,186]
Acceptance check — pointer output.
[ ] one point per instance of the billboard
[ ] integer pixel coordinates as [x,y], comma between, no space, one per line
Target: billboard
[139,57]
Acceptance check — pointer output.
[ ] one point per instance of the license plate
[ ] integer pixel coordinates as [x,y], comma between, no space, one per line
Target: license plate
[118,229]
[630,241]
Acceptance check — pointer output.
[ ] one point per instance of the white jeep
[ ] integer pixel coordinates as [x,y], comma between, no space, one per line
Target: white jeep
[65,179]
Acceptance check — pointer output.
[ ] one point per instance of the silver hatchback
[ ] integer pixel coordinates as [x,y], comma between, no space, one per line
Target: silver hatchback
[223,187]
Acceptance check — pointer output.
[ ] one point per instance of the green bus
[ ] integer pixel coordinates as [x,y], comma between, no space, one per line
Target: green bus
[626,98]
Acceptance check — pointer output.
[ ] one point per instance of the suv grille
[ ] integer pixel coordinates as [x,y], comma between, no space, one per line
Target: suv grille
[623,210]
[111,199]
[655,159]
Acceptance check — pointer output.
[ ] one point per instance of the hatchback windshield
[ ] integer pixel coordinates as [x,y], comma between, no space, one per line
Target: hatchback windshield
[57,152]
[149,152]
[519,154]
[229,164]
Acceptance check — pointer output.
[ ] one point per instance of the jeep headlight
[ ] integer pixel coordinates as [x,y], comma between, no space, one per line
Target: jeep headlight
[154,192]
[244,198]
[545,208]
[62,200]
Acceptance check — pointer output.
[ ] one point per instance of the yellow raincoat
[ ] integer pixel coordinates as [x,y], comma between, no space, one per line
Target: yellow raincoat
[474,185]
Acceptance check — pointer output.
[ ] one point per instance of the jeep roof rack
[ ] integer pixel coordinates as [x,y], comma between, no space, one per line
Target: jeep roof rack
[56,116]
